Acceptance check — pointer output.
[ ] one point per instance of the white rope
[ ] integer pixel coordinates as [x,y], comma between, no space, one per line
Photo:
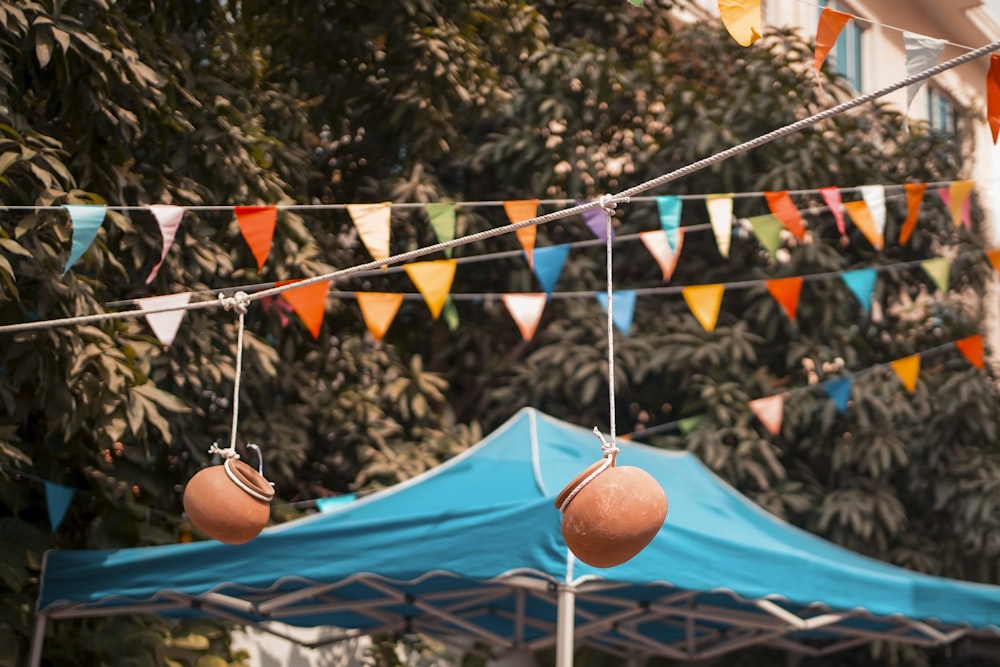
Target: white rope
[239,303]
[610,452]
[550,217]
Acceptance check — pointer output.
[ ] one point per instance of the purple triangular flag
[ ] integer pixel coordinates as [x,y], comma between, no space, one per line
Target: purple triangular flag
[86,220]
[548,266]
[57,499]
[597,221]
[623,305]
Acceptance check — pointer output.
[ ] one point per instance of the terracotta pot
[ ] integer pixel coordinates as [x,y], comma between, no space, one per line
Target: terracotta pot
[218,507]
[614,516]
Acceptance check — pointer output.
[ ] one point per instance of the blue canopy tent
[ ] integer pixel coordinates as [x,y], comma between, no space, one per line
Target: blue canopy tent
[473,550]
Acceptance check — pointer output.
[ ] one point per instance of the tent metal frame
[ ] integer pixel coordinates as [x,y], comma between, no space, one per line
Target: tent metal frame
[699,629]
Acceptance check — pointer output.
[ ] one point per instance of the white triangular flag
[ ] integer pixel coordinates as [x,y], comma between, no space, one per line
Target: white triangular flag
[166,322]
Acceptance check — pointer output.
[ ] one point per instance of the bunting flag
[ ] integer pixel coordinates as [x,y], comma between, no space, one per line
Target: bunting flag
[669,208]
[597,222]
[657,242]
[839,391]
[165,324]
[623,304]
[86,220]
[874,196]
[956,198]
[831,24]
[993,256]
[862,218]
[704,302]
[548,265]
[308,302]
[332,503]
[373,223]
[742,19]
[519,210]
[769,411]
[689,424]
[939,270]
[786,292]
[993,96]
[971,348]
[378,310]
[433,279]
[169,219]
[450,314]
[442,217]
[767,228]
[921,53]
[257,226]
[526,309]
[784,210]
[914,198]
[861,282]
[720,212]
[831,195]
[908,370]
[57,500]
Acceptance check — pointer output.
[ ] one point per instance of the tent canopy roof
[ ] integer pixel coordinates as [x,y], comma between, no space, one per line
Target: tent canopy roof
[473,548]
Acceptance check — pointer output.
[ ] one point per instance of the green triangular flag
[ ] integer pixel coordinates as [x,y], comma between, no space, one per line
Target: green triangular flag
[689,424]
[450,314]
[442,217]
[767,229]
[939,269]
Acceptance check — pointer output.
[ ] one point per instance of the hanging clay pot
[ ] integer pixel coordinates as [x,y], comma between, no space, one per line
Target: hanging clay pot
[229,502]
[613,516]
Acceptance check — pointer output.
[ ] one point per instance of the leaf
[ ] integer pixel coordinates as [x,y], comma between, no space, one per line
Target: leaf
[43,47]
[161,398]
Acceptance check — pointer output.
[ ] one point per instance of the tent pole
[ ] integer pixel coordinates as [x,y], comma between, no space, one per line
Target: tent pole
[565,616]
[37,640]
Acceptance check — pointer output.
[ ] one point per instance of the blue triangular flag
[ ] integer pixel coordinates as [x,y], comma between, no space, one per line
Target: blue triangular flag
[862,283]
[325,505]
[58,498]
[597,221]
[669,207]
[623,303]
[86,220]
[839,391]
[548,266]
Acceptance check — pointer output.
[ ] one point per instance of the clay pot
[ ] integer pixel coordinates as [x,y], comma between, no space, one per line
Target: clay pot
[218,507]
[614,516]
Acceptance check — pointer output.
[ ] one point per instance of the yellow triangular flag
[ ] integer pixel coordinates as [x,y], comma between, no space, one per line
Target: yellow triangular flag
[308,302]
[658,245]
[959,191]
[519,210]
[742,19]
[862,218]
[526,309]
[433,279]
[378,309]
[939,270]
[720,212]
[372,223]
[908,369]
[704,302]
[770,411]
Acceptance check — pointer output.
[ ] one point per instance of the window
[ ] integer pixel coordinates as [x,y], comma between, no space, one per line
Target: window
[846,53]
[942,112]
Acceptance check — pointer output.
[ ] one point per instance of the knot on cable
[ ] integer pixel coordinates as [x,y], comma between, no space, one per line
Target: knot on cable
[237,302]
[610,203]
[225,452]
[608,449]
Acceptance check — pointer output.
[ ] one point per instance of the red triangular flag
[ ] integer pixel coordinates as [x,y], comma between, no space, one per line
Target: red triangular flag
[993,96]
[308,302]
[257,226]
[784,210]
[914,197]
[786,292]
[971,348]
[994,256]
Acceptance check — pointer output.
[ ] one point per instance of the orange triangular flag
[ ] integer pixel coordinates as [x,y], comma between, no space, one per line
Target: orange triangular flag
[786,292]
[769,411]
[993,96]
[907,368]
[526,309]
[704,302]
[308,302]
[373,224]
[831,23]
[914,197]
[433,279]
[378,309]
[971,348]
[861,216]
[257,226]
[519,210]
[994,257]
[742,19]
[784,210]
[658,245]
